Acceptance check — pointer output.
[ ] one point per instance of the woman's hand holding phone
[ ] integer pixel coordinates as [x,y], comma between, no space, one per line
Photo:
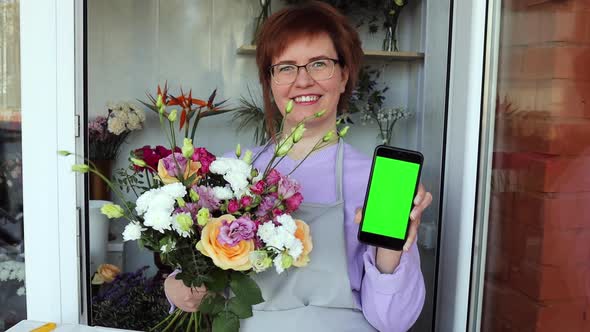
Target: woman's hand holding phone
[387,260]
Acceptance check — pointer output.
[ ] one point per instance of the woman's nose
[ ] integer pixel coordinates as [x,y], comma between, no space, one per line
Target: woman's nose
[303,79]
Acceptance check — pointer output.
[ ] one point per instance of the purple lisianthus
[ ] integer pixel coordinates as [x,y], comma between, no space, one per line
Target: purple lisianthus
[207,198]
[174,164]
[287,187]
[231,233]
[267,204]
[191,208]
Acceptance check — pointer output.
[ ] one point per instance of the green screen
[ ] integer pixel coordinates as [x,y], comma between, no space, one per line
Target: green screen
[390,197]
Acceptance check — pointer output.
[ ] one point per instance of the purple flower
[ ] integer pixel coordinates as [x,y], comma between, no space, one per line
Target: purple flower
[206,198]
[268,202]
[287,187]
[174,164]
[192,208]
[240,229]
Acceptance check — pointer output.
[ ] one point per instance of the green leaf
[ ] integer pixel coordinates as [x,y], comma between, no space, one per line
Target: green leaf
[226,322]
[217,281]
[245,288]
[241,309]
[212,304]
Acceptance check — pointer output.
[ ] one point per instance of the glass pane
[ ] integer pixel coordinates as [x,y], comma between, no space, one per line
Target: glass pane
[12,266]
[202,46]
[537,274]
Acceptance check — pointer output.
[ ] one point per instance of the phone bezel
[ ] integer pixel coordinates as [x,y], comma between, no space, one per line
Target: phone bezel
[398,154]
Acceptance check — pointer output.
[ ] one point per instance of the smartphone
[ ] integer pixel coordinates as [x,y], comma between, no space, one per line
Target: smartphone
[393,183]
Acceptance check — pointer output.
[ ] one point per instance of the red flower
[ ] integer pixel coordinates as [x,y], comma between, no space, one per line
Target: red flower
[151,157]
[292,203]
[277,212]
[205,158]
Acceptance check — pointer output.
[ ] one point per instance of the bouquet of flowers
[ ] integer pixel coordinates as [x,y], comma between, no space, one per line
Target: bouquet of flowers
[106,134]
[217,220]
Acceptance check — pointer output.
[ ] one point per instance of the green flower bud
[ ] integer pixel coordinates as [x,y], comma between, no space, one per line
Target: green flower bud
[203,216]
[289,106]
[112,211]
[180,202]
[159,102]
[286,261]
[64,153]
[254,172]
[343,132]
[399,2]
[194,196]
[172,116]
[329,136]
[247,157]
[188,148]
[138,162]
[284,148]
[238,151]
[184,222]
[298,132]
[80,168]
[320,113]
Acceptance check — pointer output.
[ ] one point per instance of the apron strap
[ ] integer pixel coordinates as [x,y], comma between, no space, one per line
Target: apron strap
[339,169]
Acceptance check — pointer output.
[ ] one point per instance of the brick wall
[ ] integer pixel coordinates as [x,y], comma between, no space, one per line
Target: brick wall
[538,261]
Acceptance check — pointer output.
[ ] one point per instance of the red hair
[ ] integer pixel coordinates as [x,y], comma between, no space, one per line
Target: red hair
[306,21]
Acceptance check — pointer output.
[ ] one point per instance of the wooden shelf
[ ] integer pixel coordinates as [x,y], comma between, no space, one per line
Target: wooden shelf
[370,54]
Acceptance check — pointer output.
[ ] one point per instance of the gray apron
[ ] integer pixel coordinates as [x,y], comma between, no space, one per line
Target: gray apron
[318,296]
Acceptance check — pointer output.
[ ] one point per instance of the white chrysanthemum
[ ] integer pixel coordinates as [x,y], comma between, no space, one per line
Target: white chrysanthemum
[222,193]
[278,263]
[175,190]
[295,247]
[132,231]
[238,182]
[143,202]
[287,222]
[161,201]
[20,291]
[235,171]
[159,220]
[266,231]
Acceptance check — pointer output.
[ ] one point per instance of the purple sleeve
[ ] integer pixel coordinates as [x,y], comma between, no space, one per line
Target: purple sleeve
[393,302]
[390,302]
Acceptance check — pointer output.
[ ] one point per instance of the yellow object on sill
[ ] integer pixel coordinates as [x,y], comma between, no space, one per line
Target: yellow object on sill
[45,328]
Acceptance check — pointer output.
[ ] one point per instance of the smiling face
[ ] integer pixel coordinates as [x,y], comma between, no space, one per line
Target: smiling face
[310,96]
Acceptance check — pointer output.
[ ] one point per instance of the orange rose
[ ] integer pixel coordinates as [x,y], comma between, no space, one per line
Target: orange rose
[303,234]
[105,273]
[224,256]
[191,168]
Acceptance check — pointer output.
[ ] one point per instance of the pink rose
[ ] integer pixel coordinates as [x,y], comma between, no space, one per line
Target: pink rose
[292,203]
[246,201]
[233,206]
[258,188]
[205,158]
[273,177]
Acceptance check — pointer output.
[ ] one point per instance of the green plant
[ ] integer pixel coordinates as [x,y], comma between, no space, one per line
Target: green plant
[250,115]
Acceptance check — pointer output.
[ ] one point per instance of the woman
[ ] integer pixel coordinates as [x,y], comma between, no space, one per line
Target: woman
[310,54]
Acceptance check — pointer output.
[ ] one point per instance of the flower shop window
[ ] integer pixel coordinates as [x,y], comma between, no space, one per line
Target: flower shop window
[12,266]
[198,55]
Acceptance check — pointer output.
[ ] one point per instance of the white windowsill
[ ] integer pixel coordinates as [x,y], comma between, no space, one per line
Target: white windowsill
[28,325]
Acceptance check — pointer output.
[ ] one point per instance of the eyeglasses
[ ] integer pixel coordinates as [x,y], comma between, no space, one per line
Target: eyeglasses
[318,70]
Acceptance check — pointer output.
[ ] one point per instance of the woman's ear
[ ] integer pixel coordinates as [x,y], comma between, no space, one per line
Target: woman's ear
[344,80]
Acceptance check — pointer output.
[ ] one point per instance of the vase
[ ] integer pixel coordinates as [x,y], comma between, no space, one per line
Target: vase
[98,234]
[390,40]
[99,190]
